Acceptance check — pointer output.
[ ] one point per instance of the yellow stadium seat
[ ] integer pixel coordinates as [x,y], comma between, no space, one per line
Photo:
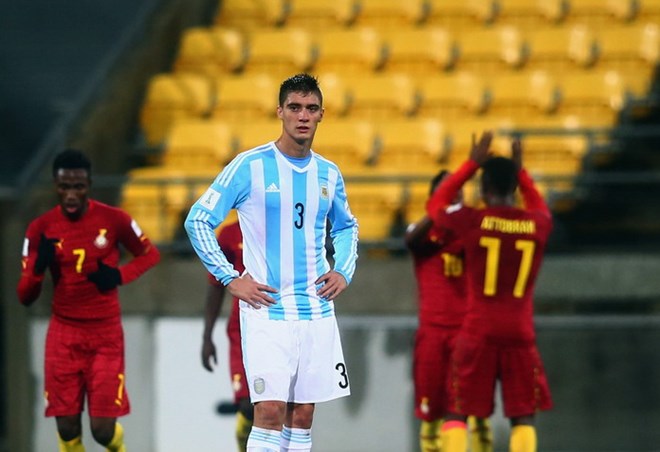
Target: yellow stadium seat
[382,96]
[461,15]
[157,206]
[250,134]
[279,53]
[198,144]
[420,51]
[348,143]
[600,95]
[648,10]
[530,14]
[452,95]
[247,15]
[349,51]
[524,96]
[601,13]
[321,14]
[633,50]
[561,48]
[414,146]
[554,155]
[375,205]
[336,96]
[170,97]
[490,49]
[390,14]
[246,98]
[211,51]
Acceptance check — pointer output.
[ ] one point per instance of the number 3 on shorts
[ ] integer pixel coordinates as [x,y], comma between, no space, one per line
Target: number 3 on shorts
[343,383]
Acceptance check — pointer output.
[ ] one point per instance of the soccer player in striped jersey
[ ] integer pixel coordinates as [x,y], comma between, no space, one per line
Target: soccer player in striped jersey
[503,246]
[79,243]
[230,240]
[440,275]
[285,194]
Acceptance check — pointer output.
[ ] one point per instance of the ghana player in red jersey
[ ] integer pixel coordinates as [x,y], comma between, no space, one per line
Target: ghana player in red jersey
[438,264]
[230,240]
[78,242]
[503,247]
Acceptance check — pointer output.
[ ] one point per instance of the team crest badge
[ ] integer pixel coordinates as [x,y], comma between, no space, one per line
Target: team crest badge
[424,406]
[324,191]
[101,241]
[259,385]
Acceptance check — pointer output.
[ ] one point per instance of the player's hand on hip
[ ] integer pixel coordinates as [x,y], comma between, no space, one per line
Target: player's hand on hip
[250,291]
[105,278]
[333,284]
[45,254]
[208,354]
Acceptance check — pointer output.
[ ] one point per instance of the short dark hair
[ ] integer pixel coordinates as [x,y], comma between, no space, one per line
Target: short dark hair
[499,176]
[71,159]
[300,83]
[437,179]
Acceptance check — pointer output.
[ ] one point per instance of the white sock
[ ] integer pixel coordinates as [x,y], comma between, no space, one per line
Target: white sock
[263,440]
[298,439]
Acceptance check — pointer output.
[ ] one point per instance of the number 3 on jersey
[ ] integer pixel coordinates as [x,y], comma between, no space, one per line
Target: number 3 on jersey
[492,245]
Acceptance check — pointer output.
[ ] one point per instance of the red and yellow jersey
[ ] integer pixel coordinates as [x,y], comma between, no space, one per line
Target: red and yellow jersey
[81,244]
[503,248]
[440,276]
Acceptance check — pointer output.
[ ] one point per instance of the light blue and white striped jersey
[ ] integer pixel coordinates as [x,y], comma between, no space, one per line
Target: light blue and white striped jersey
[283,211]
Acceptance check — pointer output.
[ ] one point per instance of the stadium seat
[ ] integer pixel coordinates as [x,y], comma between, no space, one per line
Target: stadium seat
[356,50]
[279,53]
[415,146]
[157,206]
[198,144]
[246,97]
[390,14]
[601,13]
[348,143]
[336,97]
[561,48]
[531,14]
[555,155]
[524,96]
[170,97]
[491,49]
[648,11]
[634,50]
[321,14]
[461,15]
[250,134]
[420,51]
[452,95]
[375,205]
[248,15]
[382,96]
[597,95]
[211,51]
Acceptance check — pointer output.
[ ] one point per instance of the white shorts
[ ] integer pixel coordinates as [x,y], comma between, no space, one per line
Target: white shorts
[297,361]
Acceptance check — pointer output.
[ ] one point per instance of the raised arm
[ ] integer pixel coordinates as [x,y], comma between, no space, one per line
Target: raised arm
[532,199]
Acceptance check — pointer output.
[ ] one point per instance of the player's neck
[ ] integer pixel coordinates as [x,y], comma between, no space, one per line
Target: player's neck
[293,148]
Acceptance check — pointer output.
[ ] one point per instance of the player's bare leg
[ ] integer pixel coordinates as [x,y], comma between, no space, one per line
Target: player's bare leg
[108,432]
[297,430]
[69,431]
[266,431]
